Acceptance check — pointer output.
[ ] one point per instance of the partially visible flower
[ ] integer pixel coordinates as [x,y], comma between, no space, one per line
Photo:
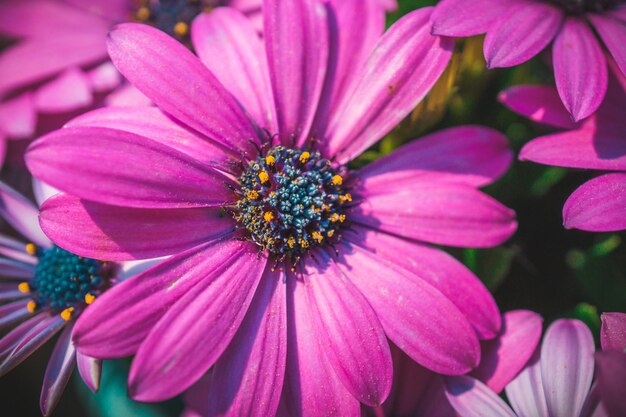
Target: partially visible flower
[517,30]
[611,364]
[597,143]
[556,383]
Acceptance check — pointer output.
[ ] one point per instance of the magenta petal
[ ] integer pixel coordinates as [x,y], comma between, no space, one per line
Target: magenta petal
[104,77]
[18,117]
[611,376]
[22,215]
[296,40]
[613,332]
[472,398]
[12,313]
[539,103]
[69,91]
[598,205]
[521,33]
[526,393]
[90,370]
[438,212]
[179,84]
[231,48]
[567,366]
[127,96]
[248,377]
[579,68]
[415,316]
[131,170]
[613,33]
[58,372]
[121,233]
[349,331]
[196,330]
[115,10]
[463,18]
[504,357]
[404,65]
[12,338]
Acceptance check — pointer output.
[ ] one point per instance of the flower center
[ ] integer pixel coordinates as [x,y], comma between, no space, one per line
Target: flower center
[291,200]
[584,6]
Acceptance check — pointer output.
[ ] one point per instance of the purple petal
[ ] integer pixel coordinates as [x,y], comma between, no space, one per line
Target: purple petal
[231,48]
[400,71]
[473,155]
[504,357]
[21,214]
[179,84]
[437,212]
[415,316]
[70,91]
[472,398]
[248,377]
[613,33]
[526,393]
[579,68]
[16,270]
[120,233]
[613,332]
[349,331]
[12,313]
[521,33]
[196,330]
[598,205]
[90,370]
[18,117]
[567,366]
[15,249]
[539,103]
[462,18]
[195,398]
[12,338]
[611,374]
[58,372]
[297,43]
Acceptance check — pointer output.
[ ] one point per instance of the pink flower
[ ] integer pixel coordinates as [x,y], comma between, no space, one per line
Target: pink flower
[517,30]
[289,270]
[597,143]
[611,364]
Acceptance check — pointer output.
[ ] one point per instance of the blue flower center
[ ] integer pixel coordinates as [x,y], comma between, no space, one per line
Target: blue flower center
[290,201]
[585,6]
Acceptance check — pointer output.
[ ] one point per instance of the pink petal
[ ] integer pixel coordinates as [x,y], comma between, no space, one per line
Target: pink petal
[196,330]
[567,366]
[463,18]
[400,71]
[58,372]
[104,77]
[437,212]
[598,205]
[230,47]
[521,33]
[415,316]
[472,398]
[539,103]
[18,117]
[13,337]
[70,91]
[579,68]
[127,95]
[179,84]
[131,170]
[22,215]
[248,377]
[526,393]
[473,155]
[504,357]
[297,43]
[613,331]
[349,331]
[90,370]
[611,374]
[613,34]
[13,313]
[121,233]
[109,9]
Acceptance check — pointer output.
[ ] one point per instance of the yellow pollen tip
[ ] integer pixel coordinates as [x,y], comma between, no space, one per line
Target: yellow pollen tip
[252,195]
[31,306]
[342,218]
[268,216]
[31,249]
[318,236]
[181,29]
[143,13]
[334,217]
[264,177]
[270,160]
[337,180]
[304,157]
[330,233]
[304,243]
[67,313]
[89,298]
[24,287]
[291,242]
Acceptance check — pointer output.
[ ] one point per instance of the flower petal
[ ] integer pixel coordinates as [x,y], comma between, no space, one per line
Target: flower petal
[613,331]
[22,215]
[104,77]
[70,91]
[525,391]
[58,372]
[90,370]
[598,205]
[180,85]
[472,398]
[196,330]
[120,233]
[18,117]
[579,68]
[611,374]
[460,18]
[13,313]
[13,337]
[613,33]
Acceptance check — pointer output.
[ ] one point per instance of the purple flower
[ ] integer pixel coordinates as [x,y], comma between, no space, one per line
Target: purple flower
[611,364]
[289,270]
[517,30]
[597,143]
[556,383]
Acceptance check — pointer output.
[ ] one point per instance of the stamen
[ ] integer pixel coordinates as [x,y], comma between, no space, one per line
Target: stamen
[31,306]
[89,298]
[67,313]
[337,180]
[31,249]
[23,287]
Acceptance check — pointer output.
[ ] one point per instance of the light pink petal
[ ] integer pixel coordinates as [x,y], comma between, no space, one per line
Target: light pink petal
[248,377]
[525,392]
[179,84]
[122,233]
[349,331]
[18,117]
[297,44]
[13,337]
[437,212]
[472,398]
[473,155]
[521,33]
[127,95]
[126,169]
[404,65]
[43,191]
[539,103]
[567,366]
[104,77]
[231,48]
[440,270]
[311,388]
[415,316]
[58,372]
[611,376]
[90,370]
[579,68]
[70,91]
[110,9]
[598,205]
[463,18]
[613,34]
[22,215]
[613,331]
[505,356]
[196,330]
